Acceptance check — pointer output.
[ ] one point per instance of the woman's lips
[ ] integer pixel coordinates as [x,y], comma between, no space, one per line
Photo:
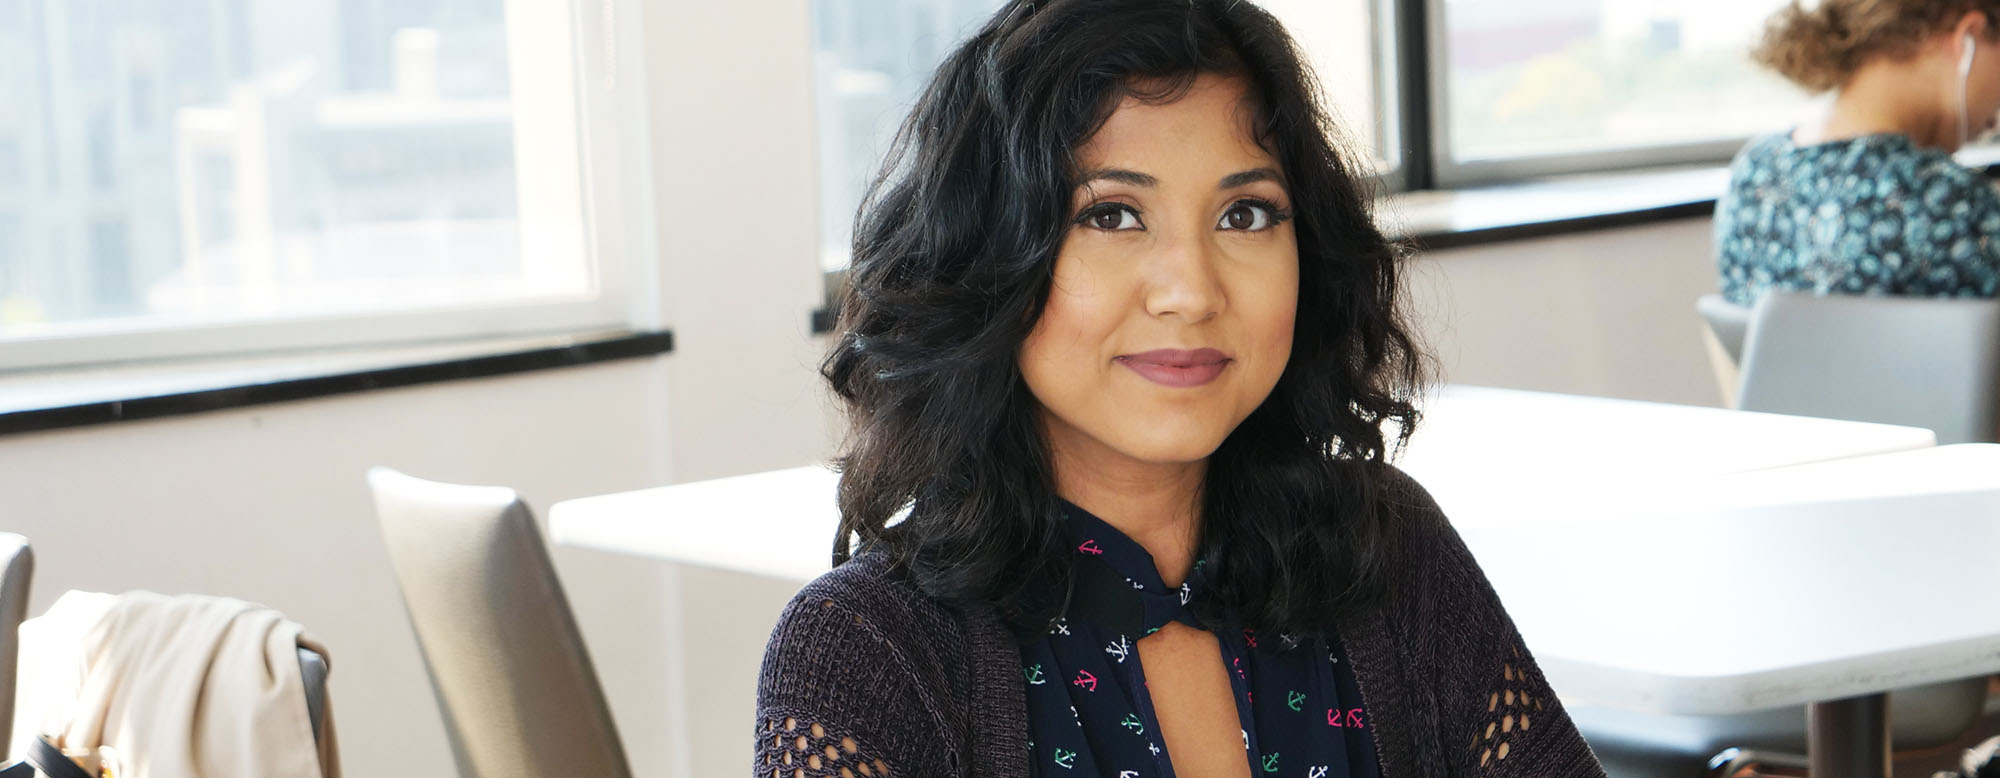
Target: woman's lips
[1175,367]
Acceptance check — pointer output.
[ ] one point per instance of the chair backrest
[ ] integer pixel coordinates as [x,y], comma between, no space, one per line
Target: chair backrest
[312,673]
[507,663]
[17,571]
[1920,362]
[186,680]
[1727,321]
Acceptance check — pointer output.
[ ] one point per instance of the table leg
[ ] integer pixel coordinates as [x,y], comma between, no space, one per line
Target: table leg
[1849,738]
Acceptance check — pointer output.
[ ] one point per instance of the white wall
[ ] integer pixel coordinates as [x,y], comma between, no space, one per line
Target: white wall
[1602,313]
[267,503]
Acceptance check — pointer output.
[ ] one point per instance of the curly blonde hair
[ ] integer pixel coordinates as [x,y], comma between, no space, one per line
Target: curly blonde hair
[1819,45]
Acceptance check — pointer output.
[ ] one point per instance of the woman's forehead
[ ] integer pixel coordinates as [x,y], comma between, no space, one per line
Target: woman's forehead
[1212,122]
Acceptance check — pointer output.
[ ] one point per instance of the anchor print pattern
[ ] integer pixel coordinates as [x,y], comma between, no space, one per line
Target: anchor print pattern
[1110,729]
[1348,718]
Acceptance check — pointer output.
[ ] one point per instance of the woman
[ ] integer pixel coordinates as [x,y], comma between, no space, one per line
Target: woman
[1121,339]
[1869,201]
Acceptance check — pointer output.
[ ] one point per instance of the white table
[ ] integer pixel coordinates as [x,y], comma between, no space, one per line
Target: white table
[1491,457]
[778,524]
[1825,584]
[1570,504]
[1503,457]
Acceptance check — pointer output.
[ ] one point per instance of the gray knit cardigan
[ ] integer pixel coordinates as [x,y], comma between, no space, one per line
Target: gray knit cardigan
[866,676]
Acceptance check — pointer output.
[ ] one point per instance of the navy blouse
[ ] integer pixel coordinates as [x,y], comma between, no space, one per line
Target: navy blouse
[1088,709]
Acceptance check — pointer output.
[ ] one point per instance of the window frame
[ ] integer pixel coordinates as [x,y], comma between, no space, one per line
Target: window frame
[1443,172]
[612,163]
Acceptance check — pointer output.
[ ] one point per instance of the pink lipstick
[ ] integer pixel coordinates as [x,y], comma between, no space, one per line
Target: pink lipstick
[1175,367]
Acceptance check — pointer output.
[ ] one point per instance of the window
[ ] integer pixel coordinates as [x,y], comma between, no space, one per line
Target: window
[873,58]
[1566,85]
[180,178]
[1444,93]
[1344,42]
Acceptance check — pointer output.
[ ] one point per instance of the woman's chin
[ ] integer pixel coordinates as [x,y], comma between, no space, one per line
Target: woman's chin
[1173,449]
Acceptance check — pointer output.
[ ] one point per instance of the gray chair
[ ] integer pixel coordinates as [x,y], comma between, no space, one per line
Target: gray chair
[17,571]
[1727,321]
[1912,361]
[506,661]
[1918,362]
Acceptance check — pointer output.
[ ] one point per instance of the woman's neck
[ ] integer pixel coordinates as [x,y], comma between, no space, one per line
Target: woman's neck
[1879,99]
[1157,505]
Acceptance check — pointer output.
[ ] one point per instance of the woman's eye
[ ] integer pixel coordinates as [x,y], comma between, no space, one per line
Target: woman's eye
[1112,218]
[1249,217]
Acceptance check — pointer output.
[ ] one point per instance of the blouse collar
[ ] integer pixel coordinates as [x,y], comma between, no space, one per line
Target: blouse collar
[1118,585]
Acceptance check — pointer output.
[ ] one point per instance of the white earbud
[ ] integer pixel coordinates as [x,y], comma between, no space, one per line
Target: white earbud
[1965,75]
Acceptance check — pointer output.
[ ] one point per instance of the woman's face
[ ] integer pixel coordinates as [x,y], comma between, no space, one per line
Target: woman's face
[1169,318]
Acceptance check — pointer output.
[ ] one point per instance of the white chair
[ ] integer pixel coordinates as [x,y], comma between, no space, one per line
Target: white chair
[177,685]
[507,663]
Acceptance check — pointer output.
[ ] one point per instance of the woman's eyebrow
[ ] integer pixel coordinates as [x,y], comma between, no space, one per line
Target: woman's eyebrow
[1121,176]
[1234,180]
[1136,178]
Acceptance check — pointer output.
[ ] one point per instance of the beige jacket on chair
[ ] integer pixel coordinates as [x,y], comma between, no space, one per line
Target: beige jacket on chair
[179,686]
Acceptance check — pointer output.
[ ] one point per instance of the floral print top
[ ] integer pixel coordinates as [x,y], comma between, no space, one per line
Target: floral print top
[1089,714]
[1873,214]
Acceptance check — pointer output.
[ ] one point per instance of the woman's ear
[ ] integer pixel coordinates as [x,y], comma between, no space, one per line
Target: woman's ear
[1976,23]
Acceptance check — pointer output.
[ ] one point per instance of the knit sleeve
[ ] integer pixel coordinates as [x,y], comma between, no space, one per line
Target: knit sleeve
[1497,717]
[838,699]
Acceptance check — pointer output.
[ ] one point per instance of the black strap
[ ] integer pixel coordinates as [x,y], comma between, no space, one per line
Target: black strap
[51,761]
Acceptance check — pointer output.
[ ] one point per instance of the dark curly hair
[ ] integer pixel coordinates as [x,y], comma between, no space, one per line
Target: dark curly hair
[945,467]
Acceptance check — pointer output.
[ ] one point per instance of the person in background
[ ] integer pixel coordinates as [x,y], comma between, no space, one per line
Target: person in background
[1869,200]
[1118,353]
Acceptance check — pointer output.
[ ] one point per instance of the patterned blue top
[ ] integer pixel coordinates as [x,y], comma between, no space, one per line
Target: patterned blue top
[1868,215]
[1088,710]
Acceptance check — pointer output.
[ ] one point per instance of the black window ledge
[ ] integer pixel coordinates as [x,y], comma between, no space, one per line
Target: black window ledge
[55,399]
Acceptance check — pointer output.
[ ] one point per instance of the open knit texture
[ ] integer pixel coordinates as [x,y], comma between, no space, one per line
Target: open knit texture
[866,676]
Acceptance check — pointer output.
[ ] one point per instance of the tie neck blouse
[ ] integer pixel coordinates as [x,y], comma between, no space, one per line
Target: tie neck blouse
[1297,703]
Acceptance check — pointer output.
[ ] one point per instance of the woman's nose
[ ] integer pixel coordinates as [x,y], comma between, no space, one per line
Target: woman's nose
[1182,281]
